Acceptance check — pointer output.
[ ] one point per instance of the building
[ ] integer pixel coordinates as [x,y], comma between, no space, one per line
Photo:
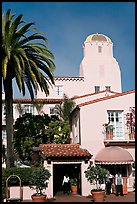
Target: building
[100,103]
[114,148]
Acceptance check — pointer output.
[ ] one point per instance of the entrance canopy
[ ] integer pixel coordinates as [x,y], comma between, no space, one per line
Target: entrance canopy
[63,150]
[59,152]
[113,155]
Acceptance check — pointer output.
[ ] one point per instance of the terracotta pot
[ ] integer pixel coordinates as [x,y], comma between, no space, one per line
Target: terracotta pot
[132,136]
[109,136]
[74,190]
[40,198]
[98,196]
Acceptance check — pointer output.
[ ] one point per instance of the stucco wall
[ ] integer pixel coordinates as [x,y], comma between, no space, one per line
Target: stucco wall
[100,69]
[71,87]
[93,117]
[15,192]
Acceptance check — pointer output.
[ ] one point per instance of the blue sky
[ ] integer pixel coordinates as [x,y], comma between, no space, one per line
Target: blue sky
[67,25]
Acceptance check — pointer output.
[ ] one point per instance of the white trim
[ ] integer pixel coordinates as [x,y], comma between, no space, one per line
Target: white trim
[126,162]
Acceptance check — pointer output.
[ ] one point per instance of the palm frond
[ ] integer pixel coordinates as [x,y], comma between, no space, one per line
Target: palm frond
[26,57]
[24,28]
[34,36]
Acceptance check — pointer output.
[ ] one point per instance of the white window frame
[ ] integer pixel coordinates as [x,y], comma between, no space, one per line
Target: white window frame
[115,136]
[59,90]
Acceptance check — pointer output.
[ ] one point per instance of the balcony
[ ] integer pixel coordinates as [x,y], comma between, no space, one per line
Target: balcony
[127,139]
[126,136]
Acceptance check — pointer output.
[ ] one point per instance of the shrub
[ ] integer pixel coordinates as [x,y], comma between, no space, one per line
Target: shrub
[39,180]
[25,174]
[96,174]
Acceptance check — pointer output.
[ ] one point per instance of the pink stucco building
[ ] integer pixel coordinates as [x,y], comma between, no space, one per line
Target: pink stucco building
[99,101]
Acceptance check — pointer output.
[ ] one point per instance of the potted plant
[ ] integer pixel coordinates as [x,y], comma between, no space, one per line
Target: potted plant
[39,179]
[95,175]
[109,131]
[74,185]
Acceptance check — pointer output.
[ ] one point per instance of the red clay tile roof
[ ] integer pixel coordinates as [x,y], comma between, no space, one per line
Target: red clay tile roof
[40,100]
[53,100]
[105,98]
[82,96]
[63,150]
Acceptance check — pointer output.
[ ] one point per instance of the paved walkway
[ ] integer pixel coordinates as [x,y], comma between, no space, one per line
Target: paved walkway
[130,197]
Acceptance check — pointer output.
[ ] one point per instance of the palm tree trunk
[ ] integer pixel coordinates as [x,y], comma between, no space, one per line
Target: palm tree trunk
[9,122]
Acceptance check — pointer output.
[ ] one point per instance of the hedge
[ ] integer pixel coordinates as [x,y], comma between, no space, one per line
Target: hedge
[23,173]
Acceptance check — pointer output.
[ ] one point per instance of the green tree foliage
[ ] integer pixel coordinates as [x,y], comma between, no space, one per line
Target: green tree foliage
[40,177]
[58,131]
[32,130]
[38,106]
[20,108]
[26,59]
[64,110]
[96,174]
[29,177]
[29,132]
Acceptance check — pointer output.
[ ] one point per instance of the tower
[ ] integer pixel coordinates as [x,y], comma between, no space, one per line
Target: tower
[99,67]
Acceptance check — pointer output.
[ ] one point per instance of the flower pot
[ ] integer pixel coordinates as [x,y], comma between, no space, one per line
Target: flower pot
[109,136]
[98,196]
[39,198]
[74,190]
[132,136]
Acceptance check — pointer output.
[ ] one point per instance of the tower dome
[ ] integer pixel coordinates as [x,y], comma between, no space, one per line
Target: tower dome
[98,37]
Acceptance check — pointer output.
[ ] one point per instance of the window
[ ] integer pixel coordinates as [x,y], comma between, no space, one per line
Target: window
[28,109]
[99,49]
[97,89]
[108,88]
[116,119]
[59,90]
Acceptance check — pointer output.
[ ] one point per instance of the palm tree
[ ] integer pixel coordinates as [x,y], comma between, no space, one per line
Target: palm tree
[20,109]
[25,60]
[64,110]
[39,106]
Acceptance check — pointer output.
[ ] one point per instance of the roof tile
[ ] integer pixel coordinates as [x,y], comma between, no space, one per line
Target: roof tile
[63,150]
[105,98]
